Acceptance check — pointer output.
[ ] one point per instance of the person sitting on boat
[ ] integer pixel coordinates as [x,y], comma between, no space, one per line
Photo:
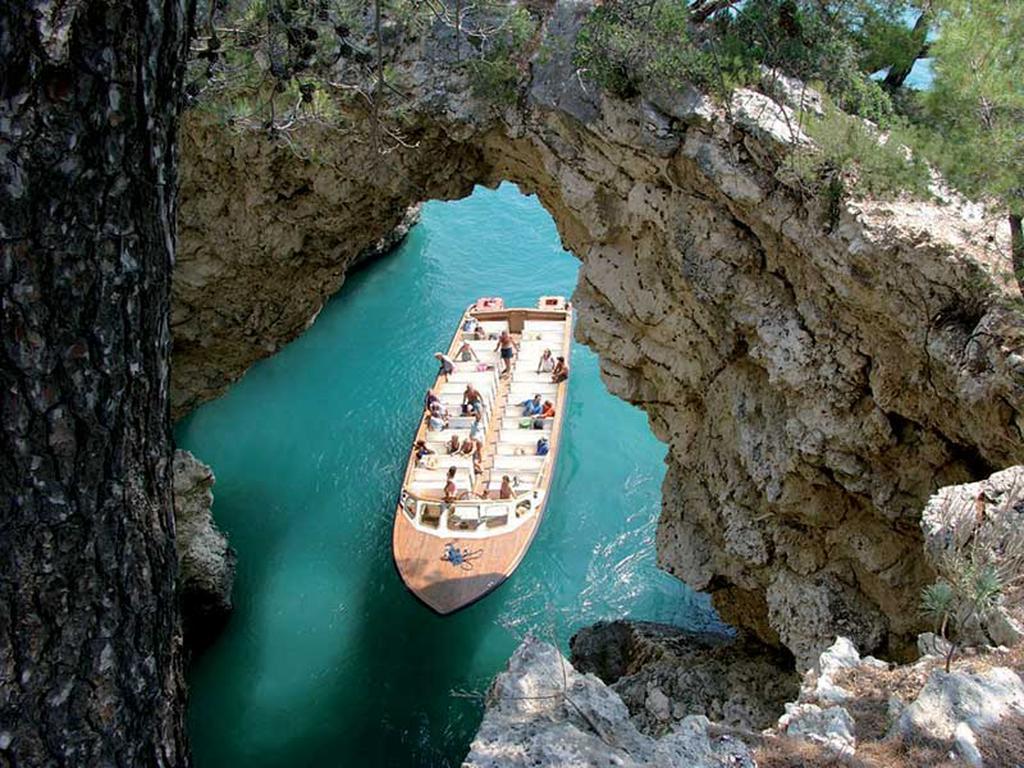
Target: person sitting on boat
[532,407]
[507,346]
[480,334]
[470,325]
[548,411]
[436,422]
[561,371]
[447,364]
[506,488]
[478,456]
[466,354]
[437,408]
[472,400]
[430,399]
[421,450]
[476,429]
[452,446]
[468,447]
[546,363]
[543,447]
[450,489]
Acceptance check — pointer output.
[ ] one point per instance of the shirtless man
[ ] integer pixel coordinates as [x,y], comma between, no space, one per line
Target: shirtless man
[560,372]
[472,401]
[506,488]
[466,354]
[452,446]
[507,346]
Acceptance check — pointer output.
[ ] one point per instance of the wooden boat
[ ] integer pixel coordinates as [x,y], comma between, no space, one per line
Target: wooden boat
[452,553]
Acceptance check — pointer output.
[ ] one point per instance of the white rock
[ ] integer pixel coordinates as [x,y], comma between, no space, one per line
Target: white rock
[967,745]
[832,727]
[542,712]
[947,699]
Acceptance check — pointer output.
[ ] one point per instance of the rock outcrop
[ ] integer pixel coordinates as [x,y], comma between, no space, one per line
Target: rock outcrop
[904,715]
[542,712]
[816,373]
[206,563]
[664,674]
[982,522]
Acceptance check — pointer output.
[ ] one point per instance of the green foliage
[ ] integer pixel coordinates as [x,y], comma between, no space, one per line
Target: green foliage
[625,44]
[495,75]
[851,151]
[974,114]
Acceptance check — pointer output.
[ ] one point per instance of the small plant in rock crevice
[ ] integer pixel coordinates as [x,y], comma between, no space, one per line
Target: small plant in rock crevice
[980,566]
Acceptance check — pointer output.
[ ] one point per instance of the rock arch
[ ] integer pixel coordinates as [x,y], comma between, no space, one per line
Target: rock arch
[814,380]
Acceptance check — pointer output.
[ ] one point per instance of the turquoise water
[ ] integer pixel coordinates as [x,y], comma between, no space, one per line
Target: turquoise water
[328,660]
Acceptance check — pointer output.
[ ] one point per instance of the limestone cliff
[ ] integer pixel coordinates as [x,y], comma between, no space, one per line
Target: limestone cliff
[206,562]
[814,377]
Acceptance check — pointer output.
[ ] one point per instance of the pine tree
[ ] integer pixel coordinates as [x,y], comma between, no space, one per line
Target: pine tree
[90,639]
[977,105]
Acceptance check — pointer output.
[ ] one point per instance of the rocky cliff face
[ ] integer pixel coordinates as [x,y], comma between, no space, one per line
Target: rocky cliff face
[206,562]
[814,378]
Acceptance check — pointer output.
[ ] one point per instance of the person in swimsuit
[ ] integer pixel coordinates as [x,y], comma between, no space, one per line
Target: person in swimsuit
[506,488]
[452,446]
[450,488]
[478,456]
[447,364]
[472,401]
[508,347]
[480,334]
[466,354]
[546,363]
[560,371]
[468,447]
[476,429]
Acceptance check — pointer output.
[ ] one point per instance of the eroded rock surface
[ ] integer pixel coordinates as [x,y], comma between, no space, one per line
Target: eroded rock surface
[664,674]
[542,712]
[815,377]
[206,563]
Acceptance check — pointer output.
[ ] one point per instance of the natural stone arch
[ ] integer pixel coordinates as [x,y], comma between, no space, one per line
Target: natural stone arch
[814,381]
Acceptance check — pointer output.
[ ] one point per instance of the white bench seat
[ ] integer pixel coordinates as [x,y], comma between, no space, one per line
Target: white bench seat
[518,463]
[521,437]
[543,325]
[521,390]
[527,480]
[511,424]
[513,449]
[530,375]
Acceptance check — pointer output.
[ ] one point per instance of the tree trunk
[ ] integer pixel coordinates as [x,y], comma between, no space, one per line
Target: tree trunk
[1017,249]
[90,639]
[900,71]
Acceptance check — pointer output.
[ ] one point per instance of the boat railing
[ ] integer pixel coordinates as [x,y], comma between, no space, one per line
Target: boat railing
[515,511]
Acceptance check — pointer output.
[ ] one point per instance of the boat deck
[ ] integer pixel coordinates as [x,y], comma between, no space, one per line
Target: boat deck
[452,553]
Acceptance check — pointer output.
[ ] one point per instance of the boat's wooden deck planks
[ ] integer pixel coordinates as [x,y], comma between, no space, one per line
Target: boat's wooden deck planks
[446,587]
